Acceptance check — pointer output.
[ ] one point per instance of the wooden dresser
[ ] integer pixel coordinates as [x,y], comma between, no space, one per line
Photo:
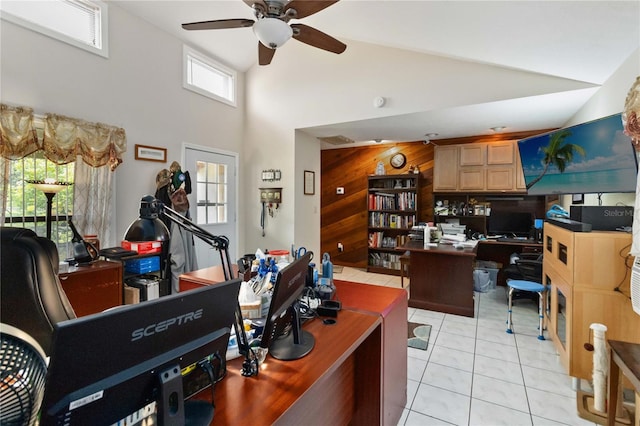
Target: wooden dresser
[93,288]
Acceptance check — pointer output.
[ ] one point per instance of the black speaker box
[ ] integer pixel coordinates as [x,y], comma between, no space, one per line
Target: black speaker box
[603,218]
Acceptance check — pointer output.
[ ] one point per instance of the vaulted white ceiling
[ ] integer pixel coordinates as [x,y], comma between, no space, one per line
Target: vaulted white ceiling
[585,41]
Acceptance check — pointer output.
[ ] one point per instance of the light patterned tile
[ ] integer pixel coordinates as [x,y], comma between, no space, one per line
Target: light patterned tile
[460,328]
[416,419]
[497,351]
[508,371]
[555,407]
[486,413]
[442,404]
[455,341]
[548,381]
[499,392]
[415,368]
[452,358]
[497,336]
[542,360]
[448,378]
[412,388]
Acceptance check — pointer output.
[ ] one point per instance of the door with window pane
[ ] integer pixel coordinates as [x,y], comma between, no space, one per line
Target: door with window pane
[213,200]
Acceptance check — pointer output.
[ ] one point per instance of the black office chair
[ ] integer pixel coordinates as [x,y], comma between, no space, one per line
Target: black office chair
[31,296]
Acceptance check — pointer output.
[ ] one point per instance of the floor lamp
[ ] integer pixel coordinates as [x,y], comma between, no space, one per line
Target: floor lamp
[50,187]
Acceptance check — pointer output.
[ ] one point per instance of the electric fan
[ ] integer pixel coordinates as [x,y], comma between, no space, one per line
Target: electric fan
[22,376]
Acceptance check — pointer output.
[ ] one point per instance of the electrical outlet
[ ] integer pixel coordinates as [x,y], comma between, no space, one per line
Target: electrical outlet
[340,190]
[340,247]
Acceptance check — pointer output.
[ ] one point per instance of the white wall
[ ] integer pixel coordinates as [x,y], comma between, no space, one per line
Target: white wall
[305,87]
[139,88]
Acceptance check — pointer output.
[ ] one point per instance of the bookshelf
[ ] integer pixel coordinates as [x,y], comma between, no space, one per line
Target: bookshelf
[392,208]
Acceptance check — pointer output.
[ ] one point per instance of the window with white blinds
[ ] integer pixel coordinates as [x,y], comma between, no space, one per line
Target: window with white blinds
[207,77]
[81,23]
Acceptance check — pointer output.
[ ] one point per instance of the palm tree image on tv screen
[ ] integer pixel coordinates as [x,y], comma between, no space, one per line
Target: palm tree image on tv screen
[593,157]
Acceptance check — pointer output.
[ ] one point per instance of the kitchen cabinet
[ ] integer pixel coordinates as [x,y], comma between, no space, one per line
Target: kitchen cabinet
[445,173]
[480,167]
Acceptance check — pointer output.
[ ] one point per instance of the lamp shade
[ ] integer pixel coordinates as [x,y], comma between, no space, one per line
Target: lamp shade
[49,185]
[148,227]
[272,32]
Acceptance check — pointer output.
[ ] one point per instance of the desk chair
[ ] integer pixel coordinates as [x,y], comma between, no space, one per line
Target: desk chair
[526,276]
[31,296]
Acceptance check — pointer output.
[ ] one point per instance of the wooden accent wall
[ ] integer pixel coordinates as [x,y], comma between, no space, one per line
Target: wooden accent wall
[343,218]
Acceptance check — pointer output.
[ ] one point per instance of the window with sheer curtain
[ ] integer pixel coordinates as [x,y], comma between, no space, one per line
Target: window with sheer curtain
[65,150]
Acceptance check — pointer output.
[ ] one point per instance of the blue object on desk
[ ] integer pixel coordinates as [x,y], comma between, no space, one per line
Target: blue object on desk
[144,265]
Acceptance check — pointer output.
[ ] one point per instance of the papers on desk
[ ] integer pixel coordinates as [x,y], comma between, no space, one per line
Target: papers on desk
[453,238]
[470,243]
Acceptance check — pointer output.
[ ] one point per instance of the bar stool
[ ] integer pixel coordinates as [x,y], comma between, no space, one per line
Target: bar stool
[404,267]
[531,286]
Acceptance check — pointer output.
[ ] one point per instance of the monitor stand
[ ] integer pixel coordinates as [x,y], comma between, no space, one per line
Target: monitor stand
[173,410]
[297,343]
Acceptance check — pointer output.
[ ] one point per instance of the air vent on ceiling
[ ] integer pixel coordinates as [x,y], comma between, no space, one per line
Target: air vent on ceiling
[337,140]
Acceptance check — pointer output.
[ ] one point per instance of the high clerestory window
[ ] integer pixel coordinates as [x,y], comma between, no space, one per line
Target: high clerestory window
[81,23]
[207,77]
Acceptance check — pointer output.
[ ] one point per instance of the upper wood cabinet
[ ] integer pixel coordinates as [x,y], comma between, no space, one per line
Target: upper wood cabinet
[480,167]
[445,173]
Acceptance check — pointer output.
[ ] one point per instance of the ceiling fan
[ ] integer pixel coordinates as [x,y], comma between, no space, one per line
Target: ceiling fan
[272,26]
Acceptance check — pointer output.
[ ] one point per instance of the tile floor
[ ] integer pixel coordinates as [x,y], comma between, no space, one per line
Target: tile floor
[474,373]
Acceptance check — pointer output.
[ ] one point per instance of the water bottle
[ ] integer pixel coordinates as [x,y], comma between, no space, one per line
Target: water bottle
[327,266]
[273,268]
[262,268]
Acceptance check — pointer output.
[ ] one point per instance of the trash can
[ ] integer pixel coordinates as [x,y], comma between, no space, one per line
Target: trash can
[481,280]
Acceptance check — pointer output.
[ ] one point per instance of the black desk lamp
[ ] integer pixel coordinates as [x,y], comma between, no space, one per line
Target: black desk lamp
[50,187]
[149,227]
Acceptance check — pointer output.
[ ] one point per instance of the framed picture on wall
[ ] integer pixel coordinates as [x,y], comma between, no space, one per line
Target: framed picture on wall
[151,153]
[309,182]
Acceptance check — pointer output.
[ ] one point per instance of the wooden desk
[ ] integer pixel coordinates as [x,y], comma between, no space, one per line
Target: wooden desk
[339,382]
[623,357]
[94,287]
[385,384]
[202,277]
[391,305]
[441,278]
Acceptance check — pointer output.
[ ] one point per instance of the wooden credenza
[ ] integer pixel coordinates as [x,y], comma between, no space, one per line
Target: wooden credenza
[589,282]
[93,288]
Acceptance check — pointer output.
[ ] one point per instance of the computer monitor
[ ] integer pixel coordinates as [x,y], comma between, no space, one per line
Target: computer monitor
[114,364]
[510,224]
[285,310]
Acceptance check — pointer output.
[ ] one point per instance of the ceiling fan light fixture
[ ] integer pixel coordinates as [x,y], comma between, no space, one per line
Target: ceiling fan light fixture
[272,32]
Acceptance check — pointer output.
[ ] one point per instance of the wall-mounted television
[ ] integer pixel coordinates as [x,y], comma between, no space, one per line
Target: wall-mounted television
[593,157]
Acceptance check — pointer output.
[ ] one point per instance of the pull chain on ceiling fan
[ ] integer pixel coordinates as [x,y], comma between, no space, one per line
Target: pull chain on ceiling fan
[272,27]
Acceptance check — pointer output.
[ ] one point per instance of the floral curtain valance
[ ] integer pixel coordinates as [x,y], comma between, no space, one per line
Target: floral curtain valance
[64,138]
[18,135]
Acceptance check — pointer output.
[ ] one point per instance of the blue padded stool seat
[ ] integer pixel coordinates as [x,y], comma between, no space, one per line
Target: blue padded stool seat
[531,286]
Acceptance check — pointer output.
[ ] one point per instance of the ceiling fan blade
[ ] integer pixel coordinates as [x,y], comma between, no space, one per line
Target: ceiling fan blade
[317,38]
[219,24]
[265,55]
[305,8]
